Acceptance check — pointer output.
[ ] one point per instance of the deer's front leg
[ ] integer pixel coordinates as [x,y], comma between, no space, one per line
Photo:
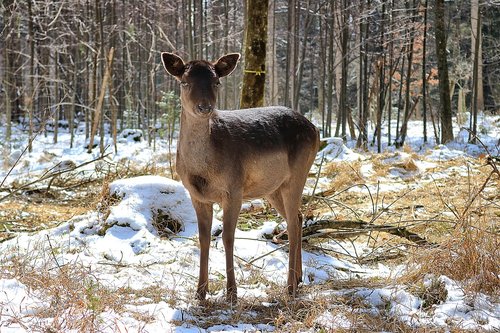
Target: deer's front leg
[231,207]
[204,213]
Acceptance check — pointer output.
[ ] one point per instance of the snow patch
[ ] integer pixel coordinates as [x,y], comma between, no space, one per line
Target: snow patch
[143,197]
[336,151]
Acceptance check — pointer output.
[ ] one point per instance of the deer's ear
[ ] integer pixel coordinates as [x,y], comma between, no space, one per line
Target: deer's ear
[226,64]
[173,64]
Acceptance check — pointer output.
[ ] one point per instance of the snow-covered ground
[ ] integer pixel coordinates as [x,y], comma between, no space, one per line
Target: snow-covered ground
[121,247]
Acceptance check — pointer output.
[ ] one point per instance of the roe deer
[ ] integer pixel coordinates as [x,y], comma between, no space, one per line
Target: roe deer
[227,156]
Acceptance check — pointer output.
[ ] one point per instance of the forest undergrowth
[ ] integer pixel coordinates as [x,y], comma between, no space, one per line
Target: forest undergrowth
[455,218]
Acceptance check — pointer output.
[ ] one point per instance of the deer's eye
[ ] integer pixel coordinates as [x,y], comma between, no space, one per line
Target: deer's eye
[184,84]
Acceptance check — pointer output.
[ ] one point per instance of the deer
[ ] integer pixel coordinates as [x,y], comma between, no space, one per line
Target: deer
[226,157]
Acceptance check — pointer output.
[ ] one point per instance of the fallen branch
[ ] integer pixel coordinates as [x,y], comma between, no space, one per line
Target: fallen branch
[350,228]
[50,174]
[331,227]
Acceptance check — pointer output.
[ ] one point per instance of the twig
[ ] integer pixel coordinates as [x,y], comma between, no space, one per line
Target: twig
[19,158]
[112,264]
[246,262]
[52,251]
[268,253]
[490,158]
[316,182]
[383,210]
[442,200]
[473,198]
[320,248]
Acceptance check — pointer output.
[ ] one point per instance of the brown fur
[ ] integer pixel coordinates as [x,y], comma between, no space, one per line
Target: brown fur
[227,156]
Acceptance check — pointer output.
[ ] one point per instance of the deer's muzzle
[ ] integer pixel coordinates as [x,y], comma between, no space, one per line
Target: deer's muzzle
[204,108]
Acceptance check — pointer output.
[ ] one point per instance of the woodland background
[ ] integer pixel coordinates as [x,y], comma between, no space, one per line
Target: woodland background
[406,240]
[350,65]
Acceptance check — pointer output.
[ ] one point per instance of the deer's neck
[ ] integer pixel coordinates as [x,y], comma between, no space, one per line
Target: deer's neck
[193,129]
[194,143]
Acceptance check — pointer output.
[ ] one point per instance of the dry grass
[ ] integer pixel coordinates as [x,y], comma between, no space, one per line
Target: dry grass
[70,295]
[470,251]
[305,314]
[458,213]
[470,256]
[343,174]
[383,163]
[33,215]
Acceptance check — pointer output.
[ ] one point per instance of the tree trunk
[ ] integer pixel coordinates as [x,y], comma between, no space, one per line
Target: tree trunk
[7,79]
[31,89]
[477,77]
[400,96]
[270,60]
[57,98]
[290,53]
[381,95]
[294,57]
[424,76]
[254,77]
[344,38]
[444,82]
[98,109]
[408,106]
[362,81]
[392,70]
[322,70]
[300,69]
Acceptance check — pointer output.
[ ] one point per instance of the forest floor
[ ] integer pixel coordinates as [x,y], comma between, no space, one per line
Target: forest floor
[402,241]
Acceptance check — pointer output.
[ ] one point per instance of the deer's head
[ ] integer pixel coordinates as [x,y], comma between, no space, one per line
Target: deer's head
[199,80]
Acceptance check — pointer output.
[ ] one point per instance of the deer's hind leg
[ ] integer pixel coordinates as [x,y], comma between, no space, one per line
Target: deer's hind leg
[286,200]
[276,201]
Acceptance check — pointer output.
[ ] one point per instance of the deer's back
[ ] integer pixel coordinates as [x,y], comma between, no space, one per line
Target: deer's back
[262,130]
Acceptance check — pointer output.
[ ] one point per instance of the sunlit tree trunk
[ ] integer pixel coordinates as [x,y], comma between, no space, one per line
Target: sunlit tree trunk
[254,76]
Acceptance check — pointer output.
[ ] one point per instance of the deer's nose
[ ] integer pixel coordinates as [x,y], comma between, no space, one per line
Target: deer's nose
[205,108]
